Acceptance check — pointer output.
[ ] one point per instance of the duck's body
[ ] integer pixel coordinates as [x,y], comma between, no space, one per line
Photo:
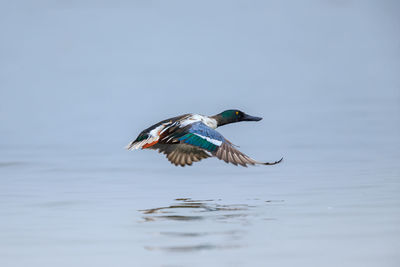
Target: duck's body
[192,137]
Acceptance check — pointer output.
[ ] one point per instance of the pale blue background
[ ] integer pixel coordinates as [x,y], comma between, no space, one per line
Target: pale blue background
[80,79]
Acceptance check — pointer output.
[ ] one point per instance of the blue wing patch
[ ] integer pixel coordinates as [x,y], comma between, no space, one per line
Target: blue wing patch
[202,136]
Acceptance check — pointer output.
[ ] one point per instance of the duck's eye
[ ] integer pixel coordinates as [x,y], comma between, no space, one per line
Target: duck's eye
[237,112]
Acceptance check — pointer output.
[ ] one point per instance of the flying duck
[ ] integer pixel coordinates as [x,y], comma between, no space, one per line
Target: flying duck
[192,137]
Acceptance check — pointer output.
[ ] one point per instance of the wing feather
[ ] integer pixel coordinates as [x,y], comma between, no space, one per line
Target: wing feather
[230,159]
[238,160]
[230,154]
[181,154]
[189,160]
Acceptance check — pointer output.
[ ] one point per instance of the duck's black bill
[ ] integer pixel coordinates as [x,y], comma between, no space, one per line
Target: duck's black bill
[250,118]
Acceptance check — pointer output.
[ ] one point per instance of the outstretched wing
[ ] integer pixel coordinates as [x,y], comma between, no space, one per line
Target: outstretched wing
[229,154]
[181,154]
[203,137]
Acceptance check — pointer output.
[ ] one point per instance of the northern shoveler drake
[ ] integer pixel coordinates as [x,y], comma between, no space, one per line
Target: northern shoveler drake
[192,137]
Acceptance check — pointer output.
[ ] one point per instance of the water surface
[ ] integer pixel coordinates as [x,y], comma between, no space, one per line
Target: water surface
[79,81]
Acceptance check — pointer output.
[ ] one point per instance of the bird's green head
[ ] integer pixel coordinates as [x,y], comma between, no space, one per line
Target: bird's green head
[233,115]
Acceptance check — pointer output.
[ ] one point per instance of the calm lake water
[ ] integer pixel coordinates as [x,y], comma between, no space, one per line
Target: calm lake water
[80,80]
[70,205]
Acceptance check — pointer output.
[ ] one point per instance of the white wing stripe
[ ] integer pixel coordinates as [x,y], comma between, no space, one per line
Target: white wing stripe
[214,141]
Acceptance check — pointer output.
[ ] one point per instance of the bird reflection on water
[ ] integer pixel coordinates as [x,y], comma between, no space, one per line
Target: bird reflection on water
[198,217]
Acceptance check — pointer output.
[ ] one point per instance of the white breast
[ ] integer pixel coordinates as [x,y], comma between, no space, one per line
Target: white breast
[204,119]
